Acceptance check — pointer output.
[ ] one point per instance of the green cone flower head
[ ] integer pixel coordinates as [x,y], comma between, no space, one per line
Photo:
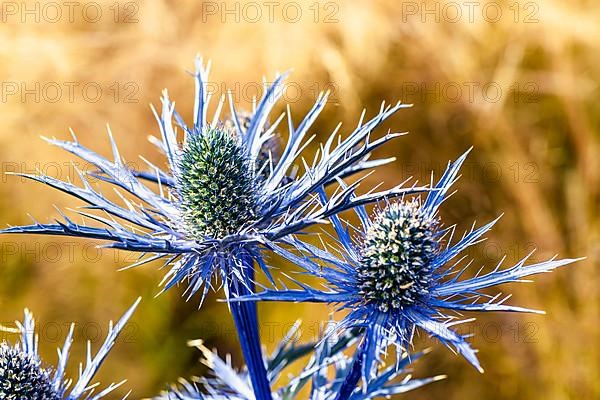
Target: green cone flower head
[216,185]
[397,251]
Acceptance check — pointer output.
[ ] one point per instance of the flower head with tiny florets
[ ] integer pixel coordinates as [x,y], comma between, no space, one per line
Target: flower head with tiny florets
[395,256]
[216,185]
[22,376]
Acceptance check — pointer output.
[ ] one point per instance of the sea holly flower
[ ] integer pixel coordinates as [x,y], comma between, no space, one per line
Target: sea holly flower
[324,372]
[24,375]
[214,211]
[223,197]
[401,271]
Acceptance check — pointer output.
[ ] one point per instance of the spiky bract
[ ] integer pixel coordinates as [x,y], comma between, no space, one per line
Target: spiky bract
[270,150]
[325,370]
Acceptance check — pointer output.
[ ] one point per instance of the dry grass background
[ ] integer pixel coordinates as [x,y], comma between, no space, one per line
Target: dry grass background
[535,159]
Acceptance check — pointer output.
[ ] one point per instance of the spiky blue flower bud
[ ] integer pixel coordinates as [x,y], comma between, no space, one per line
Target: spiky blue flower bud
[395,264]
[216,185]
[23,377]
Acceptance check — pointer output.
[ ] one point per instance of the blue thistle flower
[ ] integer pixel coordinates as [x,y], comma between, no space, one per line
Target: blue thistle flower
[400,273]
[327,361]
[227,198]
[224,196]
[23,375]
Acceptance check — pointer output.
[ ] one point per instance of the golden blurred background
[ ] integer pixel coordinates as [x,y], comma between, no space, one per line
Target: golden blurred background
[517,80]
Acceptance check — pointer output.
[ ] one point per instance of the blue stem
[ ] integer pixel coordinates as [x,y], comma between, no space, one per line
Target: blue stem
[353,377]
[246,321]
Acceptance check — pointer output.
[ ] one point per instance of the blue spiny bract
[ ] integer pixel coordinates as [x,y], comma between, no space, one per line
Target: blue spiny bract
[394,270]
[326,365]
[23,377]
[216,185]
[270,151]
